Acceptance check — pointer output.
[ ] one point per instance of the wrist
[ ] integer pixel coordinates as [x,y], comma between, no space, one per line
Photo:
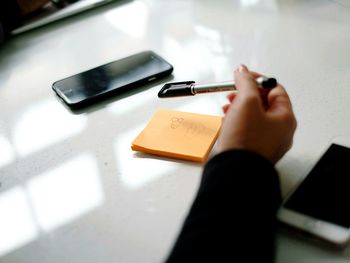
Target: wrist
[241,152]
[269,153]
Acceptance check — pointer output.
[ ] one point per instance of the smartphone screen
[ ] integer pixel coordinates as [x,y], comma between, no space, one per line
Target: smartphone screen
[115,77]
[325,192]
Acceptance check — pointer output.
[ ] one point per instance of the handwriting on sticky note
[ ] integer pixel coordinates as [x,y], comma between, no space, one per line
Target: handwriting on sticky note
[178,134]
[175,122]
[190,127]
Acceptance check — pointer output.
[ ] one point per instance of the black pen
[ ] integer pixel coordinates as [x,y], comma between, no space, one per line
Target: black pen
[190,88]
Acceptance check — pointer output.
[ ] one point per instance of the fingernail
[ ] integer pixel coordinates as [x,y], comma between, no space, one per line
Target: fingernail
[242,68]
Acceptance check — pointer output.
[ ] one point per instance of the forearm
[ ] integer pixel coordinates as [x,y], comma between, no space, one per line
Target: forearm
[233,215]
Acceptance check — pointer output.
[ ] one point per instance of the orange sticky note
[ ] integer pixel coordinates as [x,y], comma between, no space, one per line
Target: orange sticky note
[181,135]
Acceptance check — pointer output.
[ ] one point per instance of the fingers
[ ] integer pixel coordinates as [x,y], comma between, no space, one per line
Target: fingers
[248,90]
[245,82]
[278,98]
[247,87]
[255,74]
[231,97]
[225,108]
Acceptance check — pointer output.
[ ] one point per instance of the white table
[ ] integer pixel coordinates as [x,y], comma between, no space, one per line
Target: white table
[71,188]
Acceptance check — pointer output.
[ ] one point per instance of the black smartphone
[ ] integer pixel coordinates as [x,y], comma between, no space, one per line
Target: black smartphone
[111,79]
[320,203]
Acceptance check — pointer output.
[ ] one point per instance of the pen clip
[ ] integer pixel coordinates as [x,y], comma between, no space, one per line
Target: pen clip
[176,89]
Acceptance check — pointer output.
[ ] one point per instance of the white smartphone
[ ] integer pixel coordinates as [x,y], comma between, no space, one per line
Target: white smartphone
[320,204]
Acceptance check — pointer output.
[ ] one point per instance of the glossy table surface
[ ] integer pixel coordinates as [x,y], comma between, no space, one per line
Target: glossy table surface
[71,189]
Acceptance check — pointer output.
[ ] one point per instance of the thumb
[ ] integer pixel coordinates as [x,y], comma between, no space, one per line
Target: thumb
[245,83]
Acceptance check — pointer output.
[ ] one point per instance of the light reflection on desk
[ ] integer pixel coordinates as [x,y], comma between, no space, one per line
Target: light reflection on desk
[44,124]
[7,152]
[124,20]
[48,201]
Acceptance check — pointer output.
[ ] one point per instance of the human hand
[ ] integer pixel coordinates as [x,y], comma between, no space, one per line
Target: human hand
[256,120]
[29,6]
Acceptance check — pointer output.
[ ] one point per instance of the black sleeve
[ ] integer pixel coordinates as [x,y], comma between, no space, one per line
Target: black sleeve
[233,216]
[10,17]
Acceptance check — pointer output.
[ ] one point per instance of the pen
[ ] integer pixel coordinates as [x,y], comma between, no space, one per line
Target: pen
[190,88]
